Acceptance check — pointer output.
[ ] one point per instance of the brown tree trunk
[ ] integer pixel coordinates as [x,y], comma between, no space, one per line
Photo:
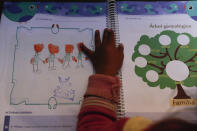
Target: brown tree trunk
[181,93]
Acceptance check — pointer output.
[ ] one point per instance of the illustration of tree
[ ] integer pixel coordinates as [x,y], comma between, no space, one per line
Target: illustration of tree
[168,59]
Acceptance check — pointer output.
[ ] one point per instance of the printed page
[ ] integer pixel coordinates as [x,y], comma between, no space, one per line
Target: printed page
[43,71]
[159,70]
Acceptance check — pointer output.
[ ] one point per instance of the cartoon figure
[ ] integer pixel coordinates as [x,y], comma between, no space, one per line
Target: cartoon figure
[64,89]
[79,58]
[51,9]
[20,11]
[35,60]
[172,8]
[149,9]
[191,8]
[53,49]
[74,9]
[127,8]
[66,59]
[95,9]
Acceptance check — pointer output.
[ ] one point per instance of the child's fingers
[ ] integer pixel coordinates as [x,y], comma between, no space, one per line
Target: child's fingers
[111,38]
[105,35]
[85,50]
[121,47]
[121,50]
[97,39]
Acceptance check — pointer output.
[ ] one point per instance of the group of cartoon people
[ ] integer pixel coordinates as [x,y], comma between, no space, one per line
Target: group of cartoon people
[53,50]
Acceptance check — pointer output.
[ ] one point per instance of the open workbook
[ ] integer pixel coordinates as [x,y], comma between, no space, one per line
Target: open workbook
[159,71]
[44,74]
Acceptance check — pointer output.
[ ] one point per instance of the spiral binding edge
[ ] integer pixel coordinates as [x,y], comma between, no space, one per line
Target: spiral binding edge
[112,23]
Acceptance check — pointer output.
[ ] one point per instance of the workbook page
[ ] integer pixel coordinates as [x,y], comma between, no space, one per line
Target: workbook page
[43,71]
[159,70]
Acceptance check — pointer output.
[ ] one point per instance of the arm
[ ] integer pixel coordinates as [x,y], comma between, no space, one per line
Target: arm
[98,110]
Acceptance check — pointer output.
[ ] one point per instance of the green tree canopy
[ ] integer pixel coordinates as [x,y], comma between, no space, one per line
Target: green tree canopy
[161,49]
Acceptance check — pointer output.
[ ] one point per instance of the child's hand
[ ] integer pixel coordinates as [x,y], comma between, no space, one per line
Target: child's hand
[107,58]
